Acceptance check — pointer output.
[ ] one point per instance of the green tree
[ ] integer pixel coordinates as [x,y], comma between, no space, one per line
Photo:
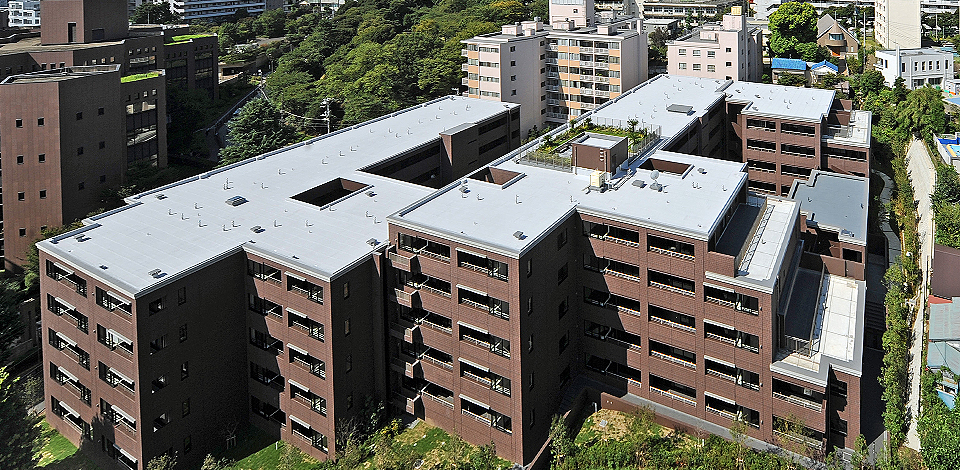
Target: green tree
[561,445]
[212,463]
[155,13]
[868,83]
[271,24]
[258,129]
[163,462]
[793,24]
[21,436]
[946,190]
[792,79]
[922,112]
[947,221]
[12,294]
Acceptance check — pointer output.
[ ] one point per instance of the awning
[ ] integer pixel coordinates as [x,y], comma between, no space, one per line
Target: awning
[460,323]
[294,312]
[475,402]
[718,397]
[475,291]
[68,374]
[69,410]
[120,376]
[716,323]
[67,340]
[295,384]
[63,268]
[474,364]
[119,337]
[125,453]
[295,276]
[299,421]
[65,303]
[123,414]
[471,253]
[719,361]
[301,351]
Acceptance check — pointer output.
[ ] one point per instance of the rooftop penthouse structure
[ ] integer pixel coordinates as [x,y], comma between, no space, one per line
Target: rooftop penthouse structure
[427,260]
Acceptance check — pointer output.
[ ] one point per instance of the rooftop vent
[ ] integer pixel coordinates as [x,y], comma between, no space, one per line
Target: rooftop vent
[155,273]
[372,242]
[702,170]
[161,196]
[519,235]
[256,229]
[236,200]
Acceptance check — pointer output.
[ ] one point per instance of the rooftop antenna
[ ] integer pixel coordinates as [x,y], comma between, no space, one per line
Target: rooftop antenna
[655,185]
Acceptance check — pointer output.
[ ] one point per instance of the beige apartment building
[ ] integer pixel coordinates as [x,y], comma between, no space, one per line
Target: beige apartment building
[897,24]
[559,71]
[730,50]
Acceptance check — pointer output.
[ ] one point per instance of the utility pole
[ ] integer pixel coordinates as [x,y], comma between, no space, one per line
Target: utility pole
[326,116]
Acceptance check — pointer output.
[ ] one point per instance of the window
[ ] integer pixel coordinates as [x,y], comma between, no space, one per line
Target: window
[696,52]
[349,362]
[836,37]
[513,92]
[305,288]
[729,50]
[350,401]
[346,327]
[40,121]
[187,445]
[711,54]
[22,232]
[99,111]
[529,267]
[158,305]
[711,68]
[184,370]
[562,273]
[181,296]
[513,48]
[562,238]
[185,407]
[102,145]
[729,64]
[19,159]
[564,342]
[563,308]
[532,379]
[21,196]
[42,157]
[696,66]
[158,344]
[513,63]
[80,116]
[681,51]
[43,194]
[682,66]
[183,332]
[530,343]
[346,289]
[79,150]
[19,122]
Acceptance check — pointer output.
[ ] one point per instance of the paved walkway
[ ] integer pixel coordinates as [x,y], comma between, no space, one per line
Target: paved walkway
[893,242]
[922,177]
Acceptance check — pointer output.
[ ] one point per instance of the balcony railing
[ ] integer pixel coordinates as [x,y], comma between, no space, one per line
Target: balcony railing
[725,414]
[485,419]
[675,254]
[722,339]
[673,324]
[670,288]
[675,360]
[476,342]
[621,275]
[436,362]
[434,291]
[434,326]
[398,260]
[806,440]
[674,396]
[476,378]
[625,343]
[721,302]
[443,401]
[722,375]
[799,401]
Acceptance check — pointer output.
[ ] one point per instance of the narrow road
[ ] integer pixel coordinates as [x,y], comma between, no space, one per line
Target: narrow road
[922,177]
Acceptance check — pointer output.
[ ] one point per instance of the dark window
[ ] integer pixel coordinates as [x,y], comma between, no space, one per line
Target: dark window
[529,267]
[183,332]
[99,111]
[564,342]
[158,305]
[19,159]
[79,150]
[346,327]
[103,144]
[43,194]
[563,308]
[185,407]
[42,157]
[562,238]
[19,122]
[187,445]
[184,370]
[23,232]
[563,273]
[182,296]
[21,196]
[39,121]
[346,290]
[103,178]
[80,115]
[852,255]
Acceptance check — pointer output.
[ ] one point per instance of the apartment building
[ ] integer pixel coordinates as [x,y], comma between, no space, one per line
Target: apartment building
[560,71]
[917,67]
[681,9]
[291,241]
[897,24]
[98,106]
[728,51]
[25,14]
[403,260]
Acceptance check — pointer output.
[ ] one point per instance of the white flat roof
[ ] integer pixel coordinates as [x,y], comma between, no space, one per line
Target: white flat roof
[779,101]
[192,224]
[488,215]
[766,248]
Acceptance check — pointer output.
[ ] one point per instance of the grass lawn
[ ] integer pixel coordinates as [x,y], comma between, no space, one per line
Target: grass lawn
[257,450]
[60,454]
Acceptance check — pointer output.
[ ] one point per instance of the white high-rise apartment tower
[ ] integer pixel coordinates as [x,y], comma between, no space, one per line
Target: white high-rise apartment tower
[897,23]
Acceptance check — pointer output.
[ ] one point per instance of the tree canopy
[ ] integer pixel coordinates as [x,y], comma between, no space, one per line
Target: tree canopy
[20,431]
[155,13]
[258,129]
[793,32]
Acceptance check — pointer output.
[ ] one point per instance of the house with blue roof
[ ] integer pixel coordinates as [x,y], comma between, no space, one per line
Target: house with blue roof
[943,347]
[782,66]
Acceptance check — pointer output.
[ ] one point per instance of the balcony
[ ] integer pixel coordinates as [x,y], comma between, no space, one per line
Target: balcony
[800,439]
[464,53]
[672,319]
[675,360]
[464,67]
[485,303]
[671,252]
[674,396]
[438,394]
[799,401]
[669,288]
[405,298]
[465,81]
